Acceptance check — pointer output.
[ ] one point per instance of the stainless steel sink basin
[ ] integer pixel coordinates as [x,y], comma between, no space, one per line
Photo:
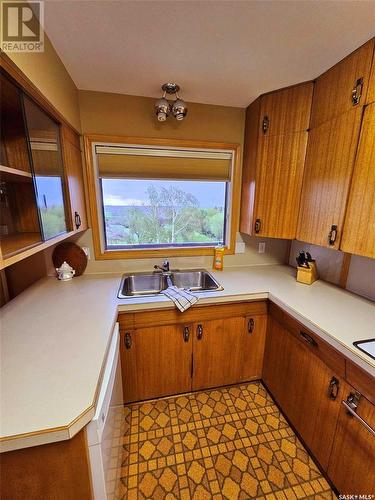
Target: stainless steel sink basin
[196,280]
[142,284]
[151,284]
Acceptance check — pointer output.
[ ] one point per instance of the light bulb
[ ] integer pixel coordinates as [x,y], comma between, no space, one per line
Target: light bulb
[179,109]
[162,109]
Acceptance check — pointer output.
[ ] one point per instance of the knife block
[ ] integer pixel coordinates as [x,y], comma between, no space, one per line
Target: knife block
[307,275]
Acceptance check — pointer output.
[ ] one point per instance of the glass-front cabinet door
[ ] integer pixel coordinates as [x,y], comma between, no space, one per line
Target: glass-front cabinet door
[19,220]
[45,150]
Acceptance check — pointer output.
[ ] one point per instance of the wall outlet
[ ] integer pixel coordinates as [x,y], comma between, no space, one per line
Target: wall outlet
[87,252]
[240,247]
[262,247]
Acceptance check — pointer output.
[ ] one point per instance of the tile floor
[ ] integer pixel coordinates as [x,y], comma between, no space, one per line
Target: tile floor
[230,443]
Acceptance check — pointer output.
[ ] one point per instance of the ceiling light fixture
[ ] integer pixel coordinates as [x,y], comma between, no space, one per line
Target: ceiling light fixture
[163,107]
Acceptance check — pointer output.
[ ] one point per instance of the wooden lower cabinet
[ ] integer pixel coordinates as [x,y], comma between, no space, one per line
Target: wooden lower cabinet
[217,352]
[54,471]
[156,361]
[208,346]
[352,463]
[307,390]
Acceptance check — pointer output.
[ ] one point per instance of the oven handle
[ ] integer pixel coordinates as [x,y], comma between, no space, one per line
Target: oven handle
[363,422]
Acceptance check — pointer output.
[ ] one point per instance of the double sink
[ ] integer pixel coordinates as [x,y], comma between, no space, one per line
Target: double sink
[151,284]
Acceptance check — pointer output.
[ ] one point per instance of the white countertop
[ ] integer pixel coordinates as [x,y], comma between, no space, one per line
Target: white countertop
[54,338]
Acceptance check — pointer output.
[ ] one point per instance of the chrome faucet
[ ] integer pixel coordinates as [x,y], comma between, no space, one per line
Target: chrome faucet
[164,268]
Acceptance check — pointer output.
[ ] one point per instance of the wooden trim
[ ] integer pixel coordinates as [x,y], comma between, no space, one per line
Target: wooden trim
[287,252]
[345,270]
[142,319]
[31,90]
[101,254]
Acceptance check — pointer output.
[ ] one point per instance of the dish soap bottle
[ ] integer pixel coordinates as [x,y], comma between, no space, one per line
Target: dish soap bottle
[218,264]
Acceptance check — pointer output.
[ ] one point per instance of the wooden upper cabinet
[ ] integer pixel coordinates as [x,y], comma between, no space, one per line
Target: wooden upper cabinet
[274,161]
[333,93]
[74,175]
[371,88]
[280,164]
[329,165]
[353,449]
[286,110]
[249,167]
[359,227]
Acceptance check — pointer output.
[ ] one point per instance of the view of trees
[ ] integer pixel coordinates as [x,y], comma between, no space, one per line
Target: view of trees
[53,220]
[170,215]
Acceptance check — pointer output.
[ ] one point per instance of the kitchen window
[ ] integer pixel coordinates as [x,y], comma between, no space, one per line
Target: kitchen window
[154,198]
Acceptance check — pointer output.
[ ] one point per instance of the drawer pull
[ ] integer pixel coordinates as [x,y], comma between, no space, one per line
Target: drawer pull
[357,91]
[257,226]
[128,340]
[333,388]
[360,419]
[250,325]
[77,220]
[265,124]
[332,235]
[308,339]
[186,334]
[199,332]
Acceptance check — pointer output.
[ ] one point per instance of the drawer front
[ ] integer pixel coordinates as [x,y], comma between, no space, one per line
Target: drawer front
[316,344]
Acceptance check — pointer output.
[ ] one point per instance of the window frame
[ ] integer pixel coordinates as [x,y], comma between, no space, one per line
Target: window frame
[96,205]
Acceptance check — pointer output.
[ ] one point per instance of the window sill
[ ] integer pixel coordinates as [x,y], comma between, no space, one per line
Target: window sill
[141,253]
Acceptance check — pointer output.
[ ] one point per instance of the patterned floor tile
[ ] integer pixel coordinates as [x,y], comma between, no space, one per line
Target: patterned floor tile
[228,443]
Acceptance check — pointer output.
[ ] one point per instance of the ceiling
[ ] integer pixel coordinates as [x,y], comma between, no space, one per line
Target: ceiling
[220,52]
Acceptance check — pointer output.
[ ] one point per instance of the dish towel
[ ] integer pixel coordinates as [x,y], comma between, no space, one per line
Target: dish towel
[182,298]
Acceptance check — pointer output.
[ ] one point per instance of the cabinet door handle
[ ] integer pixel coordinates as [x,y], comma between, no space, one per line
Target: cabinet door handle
[333,388]
[250,325]
[332,235]
[128,340]
[357,91]
[77,220]
[265,124]
[186,334]
[308,339]
[257,226]
[199,332]
[360,419]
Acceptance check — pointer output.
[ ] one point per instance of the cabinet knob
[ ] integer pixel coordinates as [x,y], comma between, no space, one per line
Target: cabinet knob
[257,226]
[333,388]
[199,332]
[186,334]
[250,325]
[77,220]
[128,340]
[332,235]
[357,91]
[265,124]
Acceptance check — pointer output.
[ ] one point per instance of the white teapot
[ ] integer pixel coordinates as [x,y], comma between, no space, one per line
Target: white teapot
[65,272]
